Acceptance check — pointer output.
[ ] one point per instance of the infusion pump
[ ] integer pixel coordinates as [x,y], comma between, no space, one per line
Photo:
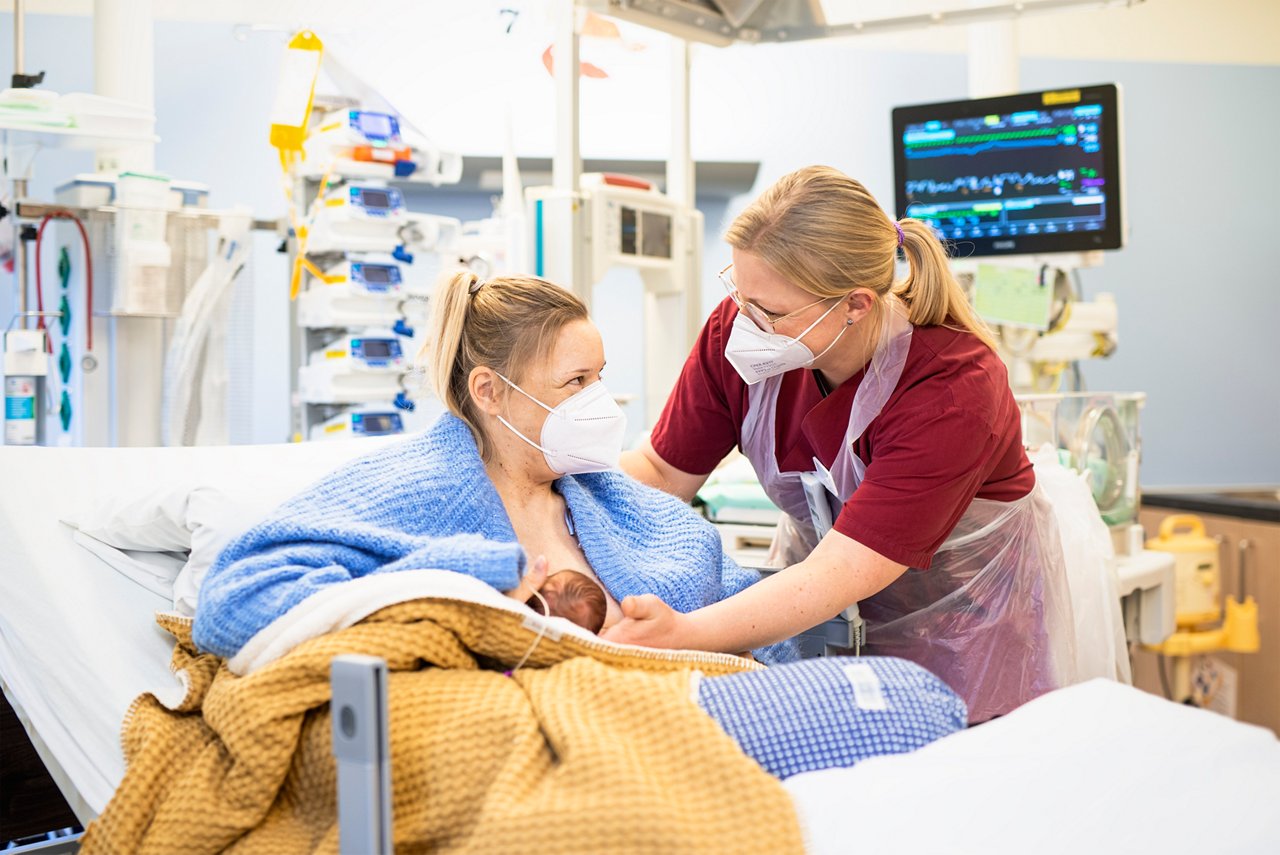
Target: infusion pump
[358,217]
[354,369]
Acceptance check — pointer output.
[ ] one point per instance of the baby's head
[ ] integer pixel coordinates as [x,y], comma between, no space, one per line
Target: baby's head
[573,595]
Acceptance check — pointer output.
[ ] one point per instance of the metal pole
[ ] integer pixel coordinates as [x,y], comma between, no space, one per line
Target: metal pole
[19,185]
[993,58]
[566,165]
[20,249]
[19,38]
[680,162]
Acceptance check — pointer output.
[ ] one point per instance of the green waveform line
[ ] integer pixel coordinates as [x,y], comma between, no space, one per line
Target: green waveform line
[968,212]
[1000,135]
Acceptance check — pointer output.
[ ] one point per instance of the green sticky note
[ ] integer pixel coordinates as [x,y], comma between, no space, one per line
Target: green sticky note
[1013,296]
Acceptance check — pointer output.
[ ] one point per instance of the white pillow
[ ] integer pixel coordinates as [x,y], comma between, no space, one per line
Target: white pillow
[221,492]
[216,517]
[148,518]
[155,571]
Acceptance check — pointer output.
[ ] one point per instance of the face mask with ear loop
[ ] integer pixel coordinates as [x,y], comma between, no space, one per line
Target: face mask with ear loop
[582,434]
[757,355]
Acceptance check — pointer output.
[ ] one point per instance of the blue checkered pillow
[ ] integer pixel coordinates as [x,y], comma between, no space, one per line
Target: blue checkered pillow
[831,712]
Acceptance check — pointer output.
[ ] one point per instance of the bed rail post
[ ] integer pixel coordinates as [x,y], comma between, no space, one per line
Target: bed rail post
[362,750]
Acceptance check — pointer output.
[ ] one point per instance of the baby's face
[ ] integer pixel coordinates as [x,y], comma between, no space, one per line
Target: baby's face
[570,594]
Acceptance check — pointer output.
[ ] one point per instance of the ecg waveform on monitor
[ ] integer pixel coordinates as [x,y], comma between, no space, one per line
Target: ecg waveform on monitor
[979,148]
[993,184]
[970,144]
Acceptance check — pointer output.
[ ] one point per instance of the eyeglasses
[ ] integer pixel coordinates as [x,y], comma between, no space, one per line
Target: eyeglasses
[764,320]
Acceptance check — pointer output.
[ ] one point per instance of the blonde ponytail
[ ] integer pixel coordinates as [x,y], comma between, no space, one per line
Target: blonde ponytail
[931,292]
[506,324]
[448,314]
[824,232]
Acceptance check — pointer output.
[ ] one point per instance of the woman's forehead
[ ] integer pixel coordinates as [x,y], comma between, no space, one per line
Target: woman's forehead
[578,347]
[756,279]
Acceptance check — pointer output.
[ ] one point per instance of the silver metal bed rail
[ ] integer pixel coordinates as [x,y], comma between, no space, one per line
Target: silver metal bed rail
[362,750]
[54,843]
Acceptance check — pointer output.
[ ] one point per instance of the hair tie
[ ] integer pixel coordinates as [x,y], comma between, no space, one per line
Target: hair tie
[476,286]
[900,235]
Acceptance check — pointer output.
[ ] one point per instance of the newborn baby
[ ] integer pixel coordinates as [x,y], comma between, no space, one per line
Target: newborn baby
[573,595]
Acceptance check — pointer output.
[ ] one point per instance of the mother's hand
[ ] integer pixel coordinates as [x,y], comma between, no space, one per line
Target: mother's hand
[531,581]
[649,622]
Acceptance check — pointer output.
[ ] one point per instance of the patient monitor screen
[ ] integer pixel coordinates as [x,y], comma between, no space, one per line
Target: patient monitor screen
[1030,173]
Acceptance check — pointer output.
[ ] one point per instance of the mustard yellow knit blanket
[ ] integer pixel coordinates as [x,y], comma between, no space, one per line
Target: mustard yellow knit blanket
[586,749]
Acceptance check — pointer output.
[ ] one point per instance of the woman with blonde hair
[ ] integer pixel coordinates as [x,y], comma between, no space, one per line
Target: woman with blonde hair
[518,480]
[879,418]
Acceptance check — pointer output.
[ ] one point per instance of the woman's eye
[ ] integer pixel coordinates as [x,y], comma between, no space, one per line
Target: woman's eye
[578,381]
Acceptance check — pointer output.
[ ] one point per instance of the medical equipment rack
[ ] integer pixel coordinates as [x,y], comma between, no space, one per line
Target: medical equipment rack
[100,417]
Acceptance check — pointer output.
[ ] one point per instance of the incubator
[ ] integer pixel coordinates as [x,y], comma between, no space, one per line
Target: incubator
[1096,434]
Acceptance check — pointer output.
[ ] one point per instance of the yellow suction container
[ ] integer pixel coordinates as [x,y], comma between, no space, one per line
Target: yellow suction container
[1197,577]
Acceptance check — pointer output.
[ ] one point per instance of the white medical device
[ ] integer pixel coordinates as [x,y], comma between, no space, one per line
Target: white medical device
[372,144]
[361,290]
[629,223]
[357,218]
[361,421]
[363,136]
[354,369]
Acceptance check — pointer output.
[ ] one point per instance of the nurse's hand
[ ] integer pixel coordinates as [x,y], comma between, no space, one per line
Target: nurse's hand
[531,581]
[649,622]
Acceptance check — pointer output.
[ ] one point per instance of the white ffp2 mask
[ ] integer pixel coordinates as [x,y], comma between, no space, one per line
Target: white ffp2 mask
[582,434]
[757,355]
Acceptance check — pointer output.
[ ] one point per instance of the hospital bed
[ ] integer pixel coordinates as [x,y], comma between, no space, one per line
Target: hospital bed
[1097,766]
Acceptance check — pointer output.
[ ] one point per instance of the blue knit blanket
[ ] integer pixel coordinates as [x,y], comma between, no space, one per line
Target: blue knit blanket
[428,503]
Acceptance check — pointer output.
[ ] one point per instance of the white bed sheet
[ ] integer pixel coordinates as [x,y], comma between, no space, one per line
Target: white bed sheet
[78,640]
[1097,767]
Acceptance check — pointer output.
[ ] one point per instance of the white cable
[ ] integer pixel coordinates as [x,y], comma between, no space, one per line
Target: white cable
[542,630]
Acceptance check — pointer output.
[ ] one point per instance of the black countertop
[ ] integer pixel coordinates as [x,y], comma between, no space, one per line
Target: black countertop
[1250,503]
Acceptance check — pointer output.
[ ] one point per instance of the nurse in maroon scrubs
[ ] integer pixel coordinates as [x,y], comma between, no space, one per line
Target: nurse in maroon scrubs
[878,417]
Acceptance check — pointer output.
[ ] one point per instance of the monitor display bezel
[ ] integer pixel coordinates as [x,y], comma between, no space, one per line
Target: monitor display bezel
[1112,234]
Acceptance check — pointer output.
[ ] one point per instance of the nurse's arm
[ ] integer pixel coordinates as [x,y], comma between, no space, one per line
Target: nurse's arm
[837,574]
[646,466]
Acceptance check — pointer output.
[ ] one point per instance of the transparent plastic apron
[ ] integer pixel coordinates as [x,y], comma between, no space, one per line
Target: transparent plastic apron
[991,616]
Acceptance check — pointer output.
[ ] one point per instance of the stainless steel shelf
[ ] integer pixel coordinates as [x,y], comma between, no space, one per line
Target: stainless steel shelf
[27,210]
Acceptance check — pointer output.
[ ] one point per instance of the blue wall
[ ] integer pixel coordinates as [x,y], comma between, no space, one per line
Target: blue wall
[1198,286]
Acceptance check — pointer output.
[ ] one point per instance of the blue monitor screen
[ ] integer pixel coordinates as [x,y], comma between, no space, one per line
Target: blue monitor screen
[1030,173]
[376,125]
